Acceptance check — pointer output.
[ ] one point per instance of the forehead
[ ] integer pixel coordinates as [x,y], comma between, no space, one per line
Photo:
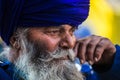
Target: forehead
[62,27]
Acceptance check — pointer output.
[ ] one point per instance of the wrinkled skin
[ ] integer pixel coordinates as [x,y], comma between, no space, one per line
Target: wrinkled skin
[93,49]
[44,52]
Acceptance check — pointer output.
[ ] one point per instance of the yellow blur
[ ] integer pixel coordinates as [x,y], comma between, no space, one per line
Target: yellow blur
[104,21]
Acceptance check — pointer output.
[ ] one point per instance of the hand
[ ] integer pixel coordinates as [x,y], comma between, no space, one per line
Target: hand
[95,50]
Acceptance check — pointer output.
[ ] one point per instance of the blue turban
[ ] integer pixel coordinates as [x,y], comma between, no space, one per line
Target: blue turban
[34,13]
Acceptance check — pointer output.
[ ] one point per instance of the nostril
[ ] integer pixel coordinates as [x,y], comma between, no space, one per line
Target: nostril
[65,47]
[66,44]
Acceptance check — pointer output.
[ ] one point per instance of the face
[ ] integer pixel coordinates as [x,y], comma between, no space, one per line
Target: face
[53,37]
[44,52]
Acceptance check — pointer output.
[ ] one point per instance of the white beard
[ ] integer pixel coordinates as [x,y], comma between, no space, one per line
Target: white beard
[36,64]
[52,69]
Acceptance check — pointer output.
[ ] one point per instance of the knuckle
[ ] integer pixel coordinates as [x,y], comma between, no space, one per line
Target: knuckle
[93,35]
[100,44]
[105,39]
[82,43]
[91,44]
[104,42]
[96,38]
[98,51]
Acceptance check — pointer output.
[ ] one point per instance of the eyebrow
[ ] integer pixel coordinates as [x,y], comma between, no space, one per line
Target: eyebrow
[52,27]
[58,27]
[74,28]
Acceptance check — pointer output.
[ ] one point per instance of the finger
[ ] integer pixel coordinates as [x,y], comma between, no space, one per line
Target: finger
[81,52]
[76,49]
[101,46]
[98,53]
[110,47]
[82,49]
[91,49]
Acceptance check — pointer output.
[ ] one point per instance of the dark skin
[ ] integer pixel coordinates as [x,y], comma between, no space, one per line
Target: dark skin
[96,50]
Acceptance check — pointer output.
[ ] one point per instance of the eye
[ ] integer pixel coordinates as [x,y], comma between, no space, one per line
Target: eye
[53,32]
[72,31]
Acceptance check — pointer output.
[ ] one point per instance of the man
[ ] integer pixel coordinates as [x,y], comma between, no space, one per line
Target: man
[42,54]
[41,48]
[41,40]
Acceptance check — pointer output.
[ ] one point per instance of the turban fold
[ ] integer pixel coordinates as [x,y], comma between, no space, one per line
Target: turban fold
[36,13]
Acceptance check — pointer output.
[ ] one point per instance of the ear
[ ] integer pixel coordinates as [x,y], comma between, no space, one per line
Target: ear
[14,42]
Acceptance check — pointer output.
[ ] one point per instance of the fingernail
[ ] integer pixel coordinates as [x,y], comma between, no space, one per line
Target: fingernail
[90,62]
[81,61]
[96,59]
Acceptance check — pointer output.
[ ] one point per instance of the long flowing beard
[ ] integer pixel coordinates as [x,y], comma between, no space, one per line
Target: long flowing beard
[54,69]
[57,67]
[37,64]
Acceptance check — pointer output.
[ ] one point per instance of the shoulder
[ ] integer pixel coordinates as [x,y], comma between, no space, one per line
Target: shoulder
[3,74]
[117,48]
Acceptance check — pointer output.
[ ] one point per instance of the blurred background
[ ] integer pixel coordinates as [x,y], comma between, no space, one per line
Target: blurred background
[104,19]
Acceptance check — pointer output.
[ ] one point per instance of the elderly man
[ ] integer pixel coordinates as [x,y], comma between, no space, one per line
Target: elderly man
[41,39]
[42,45]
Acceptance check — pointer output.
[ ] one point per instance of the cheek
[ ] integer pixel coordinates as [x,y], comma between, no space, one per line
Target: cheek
[50,43]
[47,42]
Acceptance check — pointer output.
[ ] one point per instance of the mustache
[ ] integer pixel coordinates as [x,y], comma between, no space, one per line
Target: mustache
[35,63]
[61,53]
[58,54]
[38,52]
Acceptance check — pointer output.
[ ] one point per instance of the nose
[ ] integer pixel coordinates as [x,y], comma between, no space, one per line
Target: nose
[67,41]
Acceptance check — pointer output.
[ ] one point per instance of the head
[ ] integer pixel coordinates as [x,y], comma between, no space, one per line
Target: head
[42,47]
[44,53]
[34,13]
